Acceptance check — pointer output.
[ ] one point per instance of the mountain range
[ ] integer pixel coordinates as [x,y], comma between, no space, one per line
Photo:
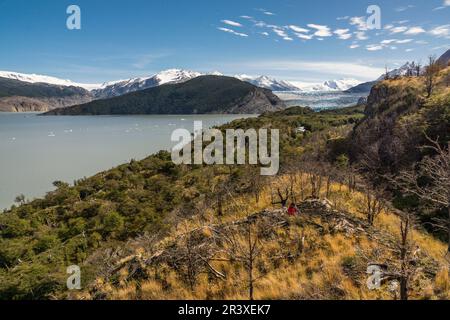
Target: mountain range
[21,92]
[200,95]
[32,92]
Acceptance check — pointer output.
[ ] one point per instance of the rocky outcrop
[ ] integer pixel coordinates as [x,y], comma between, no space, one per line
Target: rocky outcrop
[20,96]
[27,104]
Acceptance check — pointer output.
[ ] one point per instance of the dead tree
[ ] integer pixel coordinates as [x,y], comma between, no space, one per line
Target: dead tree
[431,71]
[418,69]
[435,171]
[245,249]
[386,74]
[373,204]
[284,197]
[407,254]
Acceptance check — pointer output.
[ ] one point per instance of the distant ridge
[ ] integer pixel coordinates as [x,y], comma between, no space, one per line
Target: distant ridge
[445,59]
[201,95]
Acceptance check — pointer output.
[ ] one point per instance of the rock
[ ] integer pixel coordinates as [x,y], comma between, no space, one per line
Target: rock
[362,101]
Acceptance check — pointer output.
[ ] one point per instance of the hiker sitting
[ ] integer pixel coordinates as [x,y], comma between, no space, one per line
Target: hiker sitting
[292,211]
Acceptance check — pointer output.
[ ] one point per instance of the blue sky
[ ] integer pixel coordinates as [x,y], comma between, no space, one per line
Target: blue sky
[303,41]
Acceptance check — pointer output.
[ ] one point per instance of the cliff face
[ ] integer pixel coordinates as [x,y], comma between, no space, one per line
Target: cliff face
[27,104]
[202,95]
[19,96]
[398,115]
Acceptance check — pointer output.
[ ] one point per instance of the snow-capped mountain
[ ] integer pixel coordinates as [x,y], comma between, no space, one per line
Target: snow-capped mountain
[400,72]
[331,85]
[268,83]
[121,87]
[36,78]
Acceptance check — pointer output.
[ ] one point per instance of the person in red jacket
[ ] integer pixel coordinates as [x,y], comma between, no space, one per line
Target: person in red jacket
[293,211]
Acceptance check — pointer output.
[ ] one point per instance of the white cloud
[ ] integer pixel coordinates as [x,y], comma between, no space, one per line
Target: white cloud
[415,30]
[328,68]
[404,41]
[395,41]
[354,46]
[265,34]
[398,29]
[246,17]
[446,3]
[304,36]
[388,41]
[388,27]
[288,39]
[441,31]
[343,34]
[232,23]
[360,35]
[298,29]
[268,13]
[401,9]
[233,32]
[280,32]
[374,47]
[322,31]
[359,22]
[409,50]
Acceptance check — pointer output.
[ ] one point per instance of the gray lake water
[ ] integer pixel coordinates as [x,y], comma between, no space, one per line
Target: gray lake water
[35,151]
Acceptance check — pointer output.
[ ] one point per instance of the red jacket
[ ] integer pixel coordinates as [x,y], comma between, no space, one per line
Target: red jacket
[292,211]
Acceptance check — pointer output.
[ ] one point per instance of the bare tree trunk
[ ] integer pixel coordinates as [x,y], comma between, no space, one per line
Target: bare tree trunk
[448,230]
[328,187]
[405,224]
[219,204]
[250,263]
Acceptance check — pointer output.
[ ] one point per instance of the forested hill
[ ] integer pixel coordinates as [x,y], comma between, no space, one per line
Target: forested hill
[202,95]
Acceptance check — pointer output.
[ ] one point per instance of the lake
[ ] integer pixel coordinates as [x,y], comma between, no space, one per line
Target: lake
[35,151]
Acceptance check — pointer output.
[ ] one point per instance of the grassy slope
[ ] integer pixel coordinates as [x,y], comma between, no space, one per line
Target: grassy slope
[332,265]
[104,217]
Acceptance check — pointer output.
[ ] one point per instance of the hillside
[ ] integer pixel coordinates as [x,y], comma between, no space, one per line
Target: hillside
[152,230]
[398,118]
[362,88]
[444,60]
[202,95]
[18,96]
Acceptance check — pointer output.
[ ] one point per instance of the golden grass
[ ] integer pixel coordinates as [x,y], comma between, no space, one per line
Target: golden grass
[318,274]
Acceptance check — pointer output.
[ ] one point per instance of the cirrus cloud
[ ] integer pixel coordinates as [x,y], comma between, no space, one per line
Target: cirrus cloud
[232,23]
[322,31]
[233,32]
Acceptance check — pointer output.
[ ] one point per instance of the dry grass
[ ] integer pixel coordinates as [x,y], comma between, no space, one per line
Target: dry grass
[323,271]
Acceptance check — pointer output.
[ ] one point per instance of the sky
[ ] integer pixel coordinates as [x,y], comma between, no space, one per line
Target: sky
[294,40]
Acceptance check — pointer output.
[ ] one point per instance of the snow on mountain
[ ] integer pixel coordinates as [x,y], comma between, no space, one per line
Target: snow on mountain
[268,83]
[400,72]
[117,88]
[331,85]
[120,87]
[36,78]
